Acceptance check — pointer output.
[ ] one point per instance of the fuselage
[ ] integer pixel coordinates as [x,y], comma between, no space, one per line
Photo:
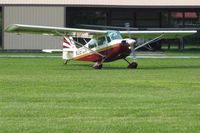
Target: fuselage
[112,46]
[116,49]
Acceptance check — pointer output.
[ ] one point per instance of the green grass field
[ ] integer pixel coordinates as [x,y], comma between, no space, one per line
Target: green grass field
[41,95]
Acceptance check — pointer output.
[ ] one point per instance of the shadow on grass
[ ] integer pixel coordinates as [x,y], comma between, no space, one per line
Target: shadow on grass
[151,67]
[81,66]
[88,66]
[169,67]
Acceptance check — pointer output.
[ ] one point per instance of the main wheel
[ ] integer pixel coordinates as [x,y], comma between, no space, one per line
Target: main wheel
[133,65]
[97,66]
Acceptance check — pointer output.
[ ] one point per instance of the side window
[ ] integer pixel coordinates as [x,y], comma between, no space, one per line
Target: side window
[101,40]
[92,44]
[108,39]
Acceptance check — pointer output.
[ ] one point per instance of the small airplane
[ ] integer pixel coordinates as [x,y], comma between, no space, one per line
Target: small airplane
[102,45]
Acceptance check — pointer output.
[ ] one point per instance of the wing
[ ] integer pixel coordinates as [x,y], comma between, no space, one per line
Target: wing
[48,30]
[153,34]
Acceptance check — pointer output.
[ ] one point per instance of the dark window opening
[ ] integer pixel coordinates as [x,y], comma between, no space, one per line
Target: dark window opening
[142,18]
[92,44]
[139,18]
[101,41]
[85,16]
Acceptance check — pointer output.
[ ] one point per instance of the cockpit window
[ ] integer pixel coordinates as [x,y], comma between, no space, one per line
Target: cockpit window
[113,35]
[101,40]
[92,43]
[108,39]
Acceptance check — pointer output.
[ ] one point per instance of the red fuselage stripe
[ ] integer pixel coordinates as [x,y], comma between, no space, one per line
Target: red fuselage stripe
[109,52]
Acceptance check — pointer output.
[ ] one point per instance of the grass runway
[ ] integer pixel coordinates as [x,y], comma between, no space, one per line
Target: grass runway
[41,95]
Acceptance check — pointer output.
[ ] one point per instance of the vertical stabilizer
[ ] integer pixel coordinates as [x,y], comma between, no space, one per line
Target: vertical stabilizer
[69,48]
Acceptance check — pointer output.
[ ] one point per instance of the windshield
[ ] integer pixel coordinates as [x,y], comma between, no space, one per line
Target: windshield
[113,35]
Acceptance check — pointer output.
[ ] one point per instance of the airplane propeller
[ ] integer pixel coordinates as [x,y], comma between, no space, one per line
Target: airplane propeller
[131,41]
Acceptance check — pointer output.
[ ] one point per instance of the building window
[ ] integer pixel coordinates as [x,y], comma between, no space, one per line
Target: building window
[191,19]
[186,19]
[120,17]
[164,19]
[141,18]
[147,19]
[90,16]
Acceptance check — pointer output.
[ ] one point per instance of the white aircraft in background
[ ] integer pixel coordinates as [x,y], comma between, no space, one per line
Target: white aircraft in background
[103,46]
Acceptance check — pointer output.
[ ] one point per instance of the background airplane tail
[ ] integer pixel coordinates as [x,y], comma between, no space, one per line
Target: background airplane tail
[69,48]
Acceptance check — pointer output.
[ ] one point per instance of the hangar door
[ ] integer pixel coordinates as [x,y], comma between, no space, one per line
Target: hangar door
[112,16]
[140,18]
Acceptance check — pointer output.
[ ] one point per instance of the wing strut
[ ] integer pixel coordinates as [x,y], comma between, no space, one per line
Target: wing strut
[89,49]
[83,45]
[150,41]
[98,64]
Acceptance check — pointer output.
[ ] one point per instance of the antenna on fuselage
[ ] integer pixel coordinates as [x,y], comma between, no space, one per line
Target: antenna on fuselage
[127,25]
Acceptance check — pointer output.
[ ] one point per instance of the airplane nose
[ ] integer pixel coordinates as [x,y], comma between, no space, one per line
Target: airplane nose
[130,41]
[123,42]
[127,42]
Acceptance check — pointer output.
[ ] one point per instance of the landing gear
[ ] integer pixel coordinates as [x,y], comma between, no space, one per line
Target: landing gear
[132,65]
[65,62]
[98,65]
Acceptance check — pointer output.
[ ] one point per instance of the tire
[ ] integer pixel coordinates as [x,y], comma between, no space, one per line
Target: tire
[133,65]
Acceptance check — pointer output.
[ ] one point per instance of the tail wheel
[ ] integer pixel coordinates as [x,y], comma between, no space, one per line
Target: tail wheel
[133,65]
[65,62]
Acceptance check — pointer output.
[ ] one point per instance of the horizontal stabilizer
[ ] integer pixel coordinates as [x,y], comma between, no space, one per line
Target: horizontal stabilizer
[51,50]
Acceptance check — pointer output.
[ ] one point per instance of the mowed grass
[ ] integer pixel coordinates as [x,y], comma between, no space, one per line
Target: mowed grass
[44,96]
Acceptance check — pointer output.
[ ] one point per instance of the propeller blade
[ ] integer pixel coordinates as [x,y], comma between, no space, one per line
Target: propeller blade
[133,52]
[127,25]
[131,42]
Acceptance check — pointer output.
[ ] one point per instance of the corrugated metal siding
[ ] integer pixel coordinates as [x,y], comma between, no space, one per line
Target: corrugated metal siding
[105,2]
[49,16]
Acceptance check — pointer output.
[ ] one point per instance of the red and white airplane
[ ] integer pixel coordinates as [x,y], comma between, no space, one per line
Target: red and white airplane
[103,46]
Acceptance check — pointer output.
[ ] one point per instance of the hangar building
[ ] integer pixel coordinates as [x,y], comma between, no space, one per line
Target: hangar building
[69,13]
